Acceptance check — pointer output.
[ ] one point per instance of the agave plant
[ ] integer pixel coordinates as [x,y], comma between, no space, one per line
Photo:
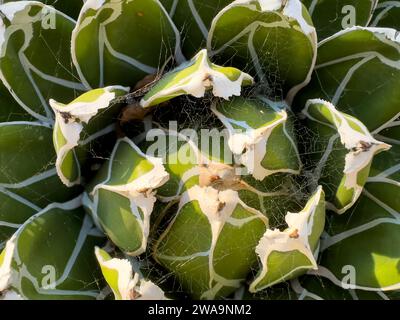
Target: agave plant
[242,149]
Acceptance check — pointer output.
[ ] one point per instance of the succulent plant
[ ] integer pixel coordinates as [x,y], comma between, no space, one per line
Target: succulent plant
[242,149]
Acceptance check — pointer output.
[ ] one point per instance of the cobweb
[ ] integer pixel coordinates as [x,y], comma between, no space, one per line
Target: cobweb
[195,114]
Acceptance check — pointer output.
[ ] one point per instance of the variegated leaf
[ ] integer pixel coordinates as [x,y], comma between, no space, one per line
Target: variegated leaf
[330,17]
[387,15]
[122,196]
[194,78]
[361,248]
[28,177]
[35,59]
[193,20]
[69,7]
[344,154]
[209,246]
[273,40]
[51,256]
[358,69]
[88,117]
[99,53]
[124,282]
[285,255]
[260,135]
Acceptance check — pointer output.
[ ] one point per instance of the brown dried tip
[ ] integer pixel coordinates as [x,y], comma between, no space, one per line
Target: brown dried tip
[294,234]
[362,146]
[133,295]
[132,112]
[221,206]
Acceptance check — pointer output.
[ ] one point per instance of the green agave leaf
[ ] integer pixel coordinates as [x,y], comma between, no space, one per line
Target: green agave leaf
[287,254]
[260,135]
[69,7]
[193,19]
[10,110]
[281,291]
[103,59]
[194,78]
[274,40]
[387,15]
[28,180]
[210,244]
[182,161]
[330,17]
[310,287]
[88,117]
[358,70]
[122,196]
[124,283]
[344,157]
[35,58]
[51,256]
[361,248]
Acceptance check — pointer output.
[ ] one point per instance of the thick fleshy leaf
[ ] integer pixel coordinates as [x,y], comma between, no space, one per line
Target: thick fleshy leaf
[35,59]
[99,53]
[10,110]
[361,248]
[88,117]
[287,254]
[51,256]
[330,17]
[358,70]
[343,155]
[208,162]
[69,7]
[193,19]
[260,135]
[210,244]
[122,197]
[387,15]
[282,291]
[311,287]
[273,40]
[124,283]
[194,78]
[181,158]
[28,178]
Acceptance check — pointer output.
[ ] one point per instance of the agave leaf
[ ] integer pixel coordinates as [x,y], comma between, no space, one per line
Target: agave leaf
[101,57]
[51,256]
[88,117]
[122,196]
[69,7]
[122,280]
[194,78]
[287,254]
[10,110]
[330,17]
[345,155]
[387,15]
[358,70]
[281,291]
[193,20]
[361,249]
[210,244]
[310,287]
[181,158]
[260,135]
[35,58]
[274,40]
[28,180]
